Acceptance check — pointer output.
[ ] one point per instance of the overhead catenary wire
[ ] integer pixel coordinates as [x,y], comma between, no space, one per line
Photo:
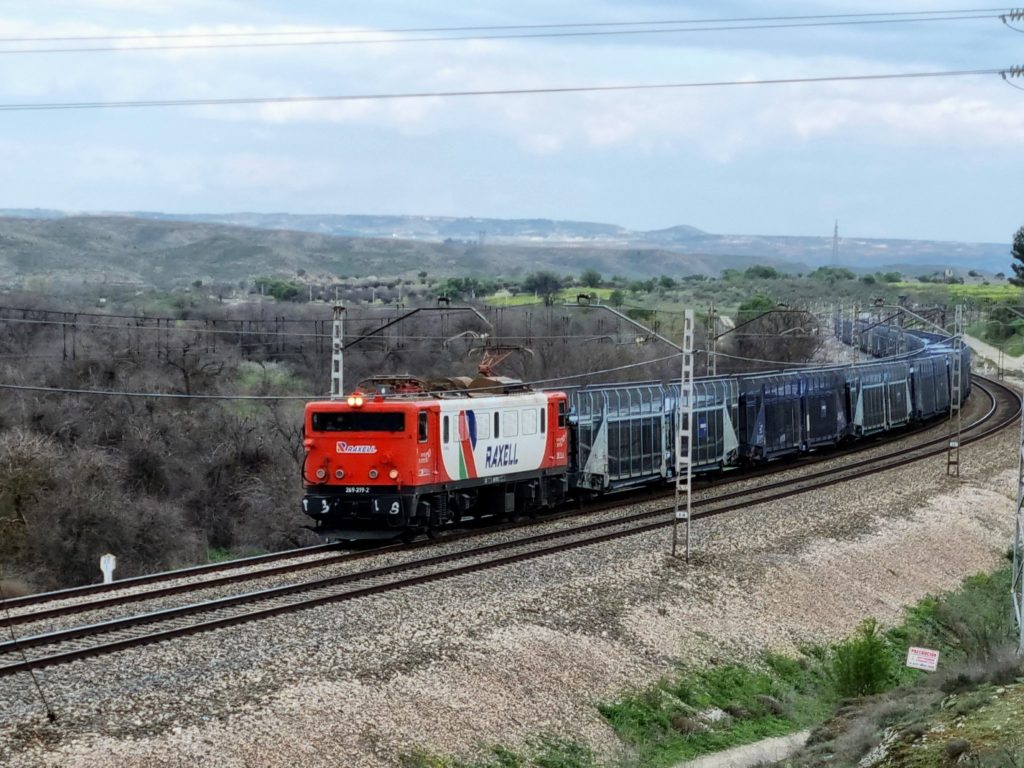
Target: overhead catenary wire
[495,27]
[206,330]
[490,37]
[531,383]
[256,100]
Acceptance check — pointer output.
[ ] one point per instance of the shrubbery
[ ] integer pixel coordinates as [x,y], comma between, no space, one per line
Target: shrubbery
[864,664]
[682,716]
[162,482]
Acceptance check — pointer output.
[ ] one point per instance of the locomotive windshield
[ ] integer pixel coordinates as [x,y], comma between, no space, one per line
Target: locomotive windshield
[358,421]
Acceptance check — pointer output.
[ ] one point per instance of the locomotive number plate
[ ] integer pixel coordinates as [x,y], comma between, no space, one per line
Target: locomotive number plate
[358,489]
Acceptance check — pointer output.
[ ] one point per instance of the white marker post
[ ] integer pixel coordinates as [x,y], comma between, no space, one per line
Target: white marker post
[923,658]
[107,564]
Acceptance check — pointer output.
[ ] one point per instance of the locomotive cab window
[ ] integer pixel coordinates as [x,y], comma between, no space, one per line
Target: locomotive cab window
[445,434]
[358,421]
[561,414]
[543,419]
[422,427]
[497,432]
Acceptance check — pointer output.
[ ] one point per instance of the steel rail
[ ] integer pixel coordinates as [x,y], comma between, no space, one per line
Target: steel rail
[16,619]
[150,578]
[599,529]
[825,453]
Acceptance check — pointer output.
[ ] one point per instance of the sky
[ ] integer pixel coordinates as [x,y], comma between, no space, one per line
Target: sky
[916,158]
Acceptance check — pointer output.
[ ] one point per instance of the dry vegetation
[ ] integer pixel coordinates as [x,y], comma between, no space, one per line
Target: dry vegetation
[162,482]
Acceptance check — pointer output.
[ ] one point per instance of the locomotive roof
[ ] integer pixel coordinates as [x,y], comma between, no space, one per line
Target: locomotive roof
[405,386]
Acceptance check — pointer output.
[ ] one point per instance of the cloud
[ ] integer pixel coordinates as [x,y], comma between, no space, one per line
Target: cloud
[425,154]
[724,123]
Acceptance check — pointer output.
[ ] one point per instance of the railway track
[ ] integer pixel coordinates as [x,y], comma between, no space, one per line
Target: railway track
[65,645]
[325,557]
[25,610]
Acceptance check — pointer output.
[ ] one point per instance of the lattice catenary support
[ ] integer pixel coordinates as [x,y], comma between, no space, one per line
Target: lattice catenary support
[684,438]
[955,394]
[338,354]
[855,334]
[1017,577]
[712,341]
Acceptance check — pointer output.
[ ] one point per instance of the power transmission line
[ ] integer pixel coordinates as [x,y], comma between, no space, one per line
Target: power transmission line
[272,397]
[506,36]
[1011,73]
[1008,11]
[242,101]
[204,330]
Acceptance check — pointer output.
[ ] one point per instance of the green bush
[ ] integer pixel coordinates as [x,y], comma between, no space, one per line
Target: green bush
[863,665]
[971,623]
[976,620]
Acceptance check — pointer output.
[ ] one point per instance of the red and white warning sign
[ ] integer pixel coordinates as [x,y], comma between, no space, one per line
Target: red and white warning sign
[923,658]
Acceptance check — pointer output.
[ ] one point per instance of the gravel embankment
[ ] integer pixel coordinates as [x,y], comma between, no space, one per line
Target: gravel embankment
[503,654]
[725,483]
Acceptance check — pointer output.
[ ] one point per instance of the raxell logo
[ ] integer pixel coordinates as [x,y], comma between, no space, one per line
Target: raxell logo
[344,447]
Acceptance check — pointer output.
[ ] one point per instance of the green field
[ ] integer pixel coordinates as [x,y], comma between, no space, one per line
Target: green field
[566,294]
[969,291]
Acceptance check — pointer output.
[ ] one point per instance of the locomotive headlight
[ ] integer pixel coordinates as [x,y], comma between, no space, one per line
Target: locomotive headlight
[355,401]
[359,400]
[339,473]
[321,473]
[393,474]
[351,401]
[373,474]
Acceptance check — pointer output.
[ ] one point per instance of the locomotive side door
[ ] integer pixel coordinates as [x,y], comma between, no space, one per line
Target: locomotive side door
[427,446]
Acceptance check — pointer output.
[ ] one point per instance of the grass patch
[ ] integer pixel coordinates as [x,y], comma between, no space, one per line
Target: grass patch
[970,623]
[679,719]
[694,713]
[546,752]
[975,292]
[564,295]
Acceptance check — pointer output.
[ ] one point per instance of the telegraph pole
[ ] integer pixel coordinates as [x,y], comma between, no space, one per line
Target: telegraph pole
[684,437]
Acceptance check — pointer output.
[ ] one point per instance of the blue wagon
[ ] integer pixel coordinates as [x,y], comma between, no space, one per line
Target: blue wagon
[770,415]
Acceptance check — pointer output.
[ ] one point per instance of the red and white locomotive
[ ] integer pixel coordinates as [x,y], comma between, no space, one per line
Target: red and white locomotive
[400,456]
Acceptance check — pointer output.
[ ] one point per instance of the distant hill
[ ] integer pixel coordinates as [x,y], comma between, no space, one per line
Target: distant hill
[171,249]
[416,227]
[98,249]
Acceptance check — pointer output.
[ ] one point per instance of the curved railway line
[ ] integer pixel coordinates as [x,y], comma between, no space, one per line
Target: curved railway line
[68,644]
[274,563]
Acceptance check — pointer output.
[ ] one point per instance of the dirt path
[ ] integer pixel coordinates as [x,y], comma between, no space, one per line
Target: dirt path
[758,753]
[990,355]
